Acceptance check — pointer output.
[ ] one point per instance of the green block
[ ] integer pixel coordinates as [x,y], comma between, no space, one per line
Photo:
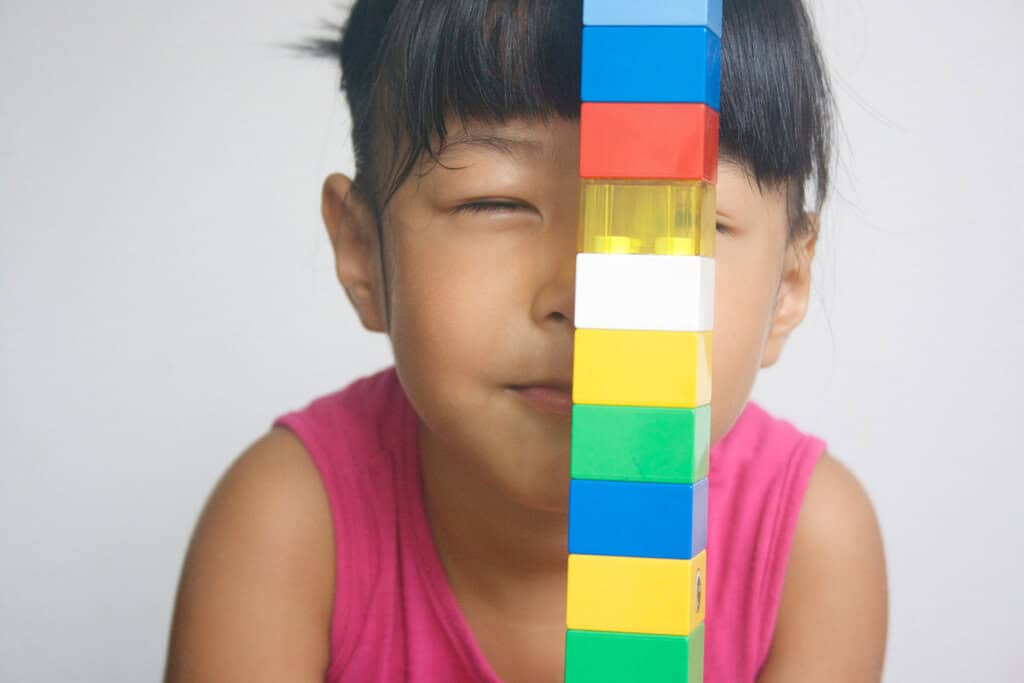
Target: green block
[629,443]
[606,657]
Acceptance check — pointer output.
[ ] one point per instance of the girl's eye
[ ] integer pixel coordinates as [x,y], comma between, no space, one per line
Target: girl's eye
[722,229]
[495,206]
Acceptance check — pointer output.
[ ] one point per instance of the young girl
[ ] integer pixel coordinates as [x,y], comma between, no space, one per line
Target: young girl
[412,526]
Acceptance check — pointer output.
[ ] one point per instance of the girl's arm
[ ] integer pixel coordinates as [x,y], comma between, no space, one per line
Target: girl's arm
[833,615]
[254,603]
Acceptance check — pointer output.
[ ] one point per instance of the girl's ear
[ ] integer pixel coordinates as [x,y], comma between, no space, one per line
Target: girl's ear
[794,290]
[352,227]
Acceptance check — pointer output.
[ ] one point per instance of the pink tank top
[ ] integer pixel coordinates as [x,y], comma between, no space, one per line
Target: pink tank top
[395,617]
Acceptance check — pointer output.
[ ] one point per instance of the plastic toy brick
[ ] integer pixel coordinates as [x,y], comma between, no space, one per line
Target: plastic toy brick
[643,292]
[654,13]
[636,594]
[629,443]
[651,64]
[664,217]
[607,657]
[642,368]
[649,141]
[638,519]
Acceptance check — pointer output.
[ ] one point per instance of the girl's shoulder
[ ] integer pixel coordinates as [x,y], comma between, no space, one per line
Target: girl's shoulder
[793,548]
[759,475]
[356,436]
[768,443]
[362,441]
[833,614]
[254,596]
[368,414]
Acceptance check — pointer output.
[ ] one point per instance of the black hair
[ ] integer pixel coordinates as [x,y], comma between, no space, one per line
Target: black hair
[408,65]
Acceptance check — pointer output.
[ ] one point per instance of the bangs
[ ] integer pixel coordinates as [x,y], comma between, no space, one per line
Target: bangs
[470,60]
[777,108]
[409,67]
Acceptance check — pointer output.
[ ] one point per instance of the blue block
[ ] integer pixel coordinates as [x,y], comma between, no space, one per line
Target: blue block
[651,64]
[638,519]
[654,13]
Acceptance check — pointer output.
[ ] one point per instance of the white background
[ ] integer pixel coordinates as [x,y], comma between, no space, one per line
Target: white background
[166,290]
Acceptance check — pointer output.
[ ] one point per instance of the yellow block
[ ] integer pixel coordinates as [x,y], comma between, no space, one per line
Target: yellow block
[613,244]
[642,368]
[636,594]
[667,217]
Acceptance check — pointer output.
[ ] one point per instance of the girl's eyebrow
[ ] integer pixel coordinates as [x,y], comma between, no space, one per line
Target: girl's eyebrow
[511,146]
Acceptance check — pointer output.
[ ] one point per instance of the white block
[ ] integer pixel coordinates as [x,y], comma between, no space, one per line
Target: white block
[645,292]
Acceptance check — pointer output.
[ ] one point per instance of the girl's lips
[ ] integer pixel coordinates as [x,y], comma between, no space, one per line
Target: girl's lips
[553,400]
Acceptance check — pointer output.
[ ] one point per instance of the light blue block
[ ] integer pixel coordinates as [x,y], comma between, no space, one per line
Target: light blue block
[638,519]
[651,64]
[654,13]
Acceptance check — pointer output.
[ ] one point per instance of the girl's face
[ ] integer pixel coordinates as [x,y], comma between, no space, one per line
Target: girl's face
[479,256]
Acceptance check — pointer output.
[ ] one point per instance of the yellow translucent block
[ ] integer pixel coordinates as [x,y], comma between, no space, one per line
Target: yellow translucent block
[636,594]
[672,218]
[642,368]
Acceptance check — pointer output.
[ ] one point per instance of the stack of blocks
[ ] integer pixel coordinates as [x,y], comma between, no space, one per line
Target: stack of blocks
[644,310]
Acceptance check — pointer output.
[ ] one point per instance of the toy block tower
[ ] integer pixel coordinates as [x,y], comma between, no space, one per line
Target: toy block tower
[645,275]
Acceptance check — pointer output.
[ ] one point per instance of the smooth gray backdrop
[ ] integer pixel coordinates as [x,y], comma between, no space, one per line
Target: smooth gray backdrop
[166,289]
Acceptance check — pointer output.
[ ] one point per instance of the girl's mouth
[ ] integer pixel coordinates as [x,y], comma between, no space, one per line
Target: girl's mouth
[553,399]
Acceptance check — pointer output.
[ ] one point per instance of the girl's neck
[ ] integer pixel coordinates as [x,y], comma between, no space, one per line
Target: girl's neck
[496,552]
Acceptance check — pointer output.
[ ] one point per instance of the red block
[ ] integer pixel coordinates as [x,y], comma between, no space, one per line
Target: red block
[656,141]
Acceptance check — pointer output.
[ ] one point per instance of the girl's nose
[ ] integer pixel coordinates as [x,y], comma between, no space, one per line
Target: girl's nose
[556,298]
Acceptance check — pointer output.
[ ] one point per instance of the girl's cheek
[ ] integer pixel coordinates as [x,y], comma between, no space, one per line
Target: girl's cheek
[447,304]
[736,339]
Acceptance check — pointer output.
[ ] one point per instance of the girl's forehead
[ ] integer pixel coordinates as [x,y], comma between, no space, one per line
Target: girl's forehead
[534,143]
[521,134]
